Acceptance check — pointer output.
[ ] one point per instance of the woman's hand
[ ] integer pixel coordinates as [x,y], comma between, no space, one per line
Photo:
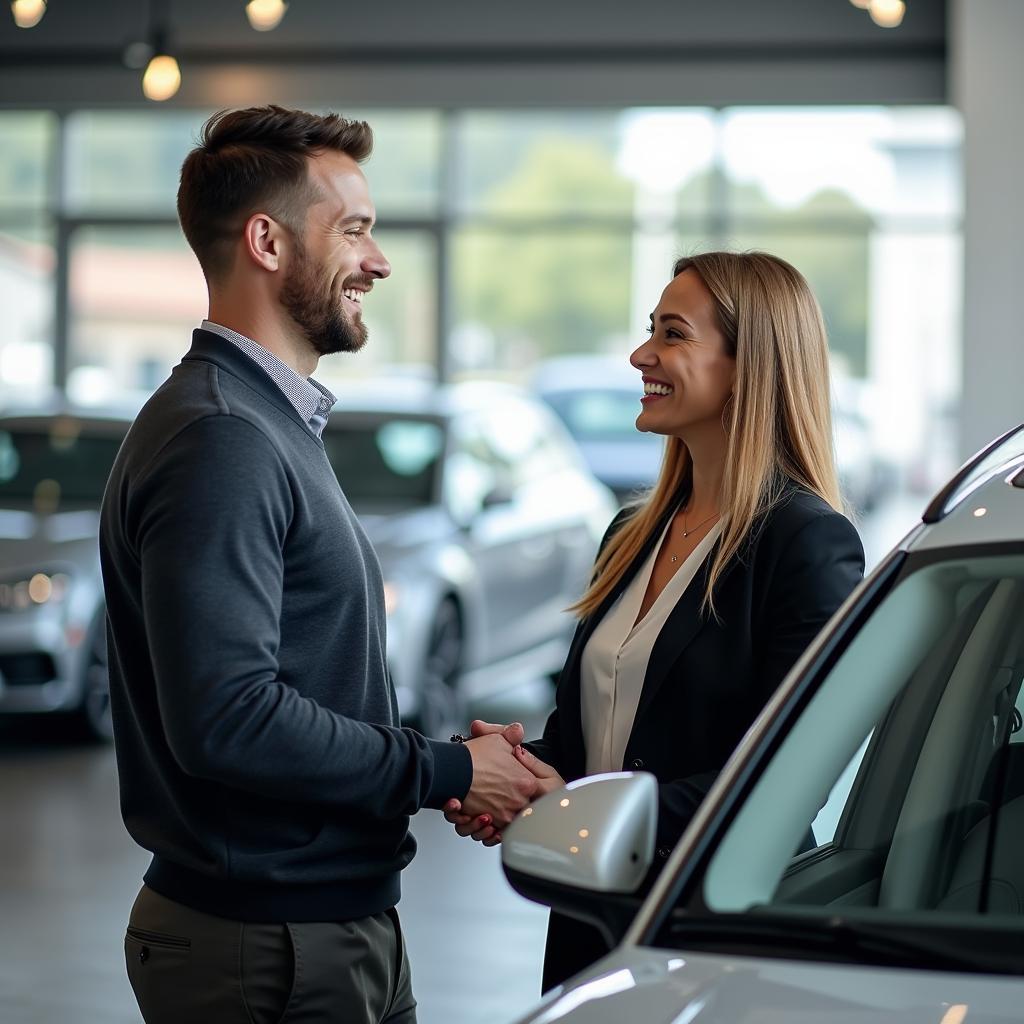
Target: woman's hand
[548,778]
[480,828]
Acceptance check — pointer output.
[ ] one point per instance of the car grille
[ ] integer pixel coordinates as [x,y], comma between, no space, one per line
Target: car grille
[32,669]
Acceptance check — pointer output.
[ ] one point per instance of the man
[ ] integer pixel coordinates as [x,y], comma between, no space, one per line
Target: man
[256,728]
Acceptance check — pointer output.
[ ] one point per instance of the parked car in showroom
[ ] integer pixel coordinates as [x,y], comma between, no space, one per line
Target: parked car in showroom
[861,856]
[483,514]
[486,521]
[598,400]
[53,468]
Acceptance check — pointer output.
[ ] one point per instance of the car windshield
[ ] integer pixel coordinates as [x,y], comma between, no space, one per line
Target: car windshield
[57,465]
[386,465]
[891,816]
[600,414]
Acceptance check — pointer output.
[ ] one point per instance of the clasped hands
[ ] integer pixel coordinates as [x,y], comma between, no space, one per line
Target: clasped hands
[506,777]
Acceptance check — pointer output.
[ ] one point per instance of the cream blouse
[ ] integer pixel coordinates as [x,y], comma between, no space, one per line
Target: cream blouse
[615,659]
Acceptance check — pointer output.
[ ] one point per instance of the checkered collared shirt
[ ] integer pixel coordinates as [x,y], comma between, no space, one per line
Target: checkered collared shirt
[312,401]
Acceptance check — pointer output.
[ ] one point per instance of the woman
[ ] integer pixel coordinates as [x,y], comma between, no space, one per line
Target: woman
[706,592]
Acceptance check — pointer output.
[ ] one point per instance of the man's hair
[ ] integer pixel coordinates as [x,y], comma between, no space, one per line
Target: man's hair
[255,160]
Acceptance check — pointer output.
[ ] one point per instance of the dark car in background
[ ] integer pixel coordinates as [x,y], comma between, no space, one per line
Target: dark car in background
[484,517]
[598,400]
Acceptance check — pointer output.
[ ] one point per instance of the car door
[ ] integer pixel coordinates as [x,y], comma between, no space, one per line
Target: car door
[908,741]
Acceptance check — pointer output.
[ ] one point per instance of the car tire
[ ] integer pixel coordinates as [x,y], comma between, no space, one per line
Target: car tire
[94,711]
[440,710]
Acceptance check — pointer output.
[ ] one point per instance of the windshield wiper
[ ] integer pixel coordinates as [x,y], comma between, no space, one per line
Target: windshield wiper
[828,937]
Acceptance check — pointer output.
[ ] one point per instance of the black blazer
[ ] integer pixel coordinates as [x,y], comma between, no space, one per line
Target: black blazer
[708,679]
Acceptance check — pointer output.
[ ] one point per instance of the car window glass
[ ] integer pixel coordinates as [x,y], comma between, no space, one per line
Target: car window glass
[55,467]
[385,466]
[600,415]
[473,470]
[823,828]
[911,745]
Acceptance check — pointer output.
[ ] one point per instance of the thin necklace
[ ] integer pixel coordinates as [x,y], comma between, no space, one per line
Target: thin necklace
[686,532]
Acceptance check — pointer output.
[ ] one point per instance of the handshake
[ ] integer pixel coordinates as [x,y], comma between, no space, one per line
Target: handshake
[506,777]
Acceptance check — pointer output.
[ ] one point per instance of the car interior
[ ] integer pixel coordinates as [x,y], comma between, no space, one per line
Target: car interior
[922,749]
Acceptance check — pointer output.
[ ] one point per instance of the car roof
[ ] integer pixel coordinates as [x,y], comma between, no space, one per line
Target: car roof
[984,501]
[397,396]
[39,418]
[584,373]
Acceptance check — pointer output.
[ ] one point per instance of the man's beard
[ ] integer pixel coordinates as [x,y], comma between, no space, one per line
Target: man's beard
[309,299]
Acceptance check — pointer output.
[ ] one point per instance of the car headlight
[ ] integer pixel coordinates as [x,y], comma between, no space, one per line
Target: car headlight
[31,591]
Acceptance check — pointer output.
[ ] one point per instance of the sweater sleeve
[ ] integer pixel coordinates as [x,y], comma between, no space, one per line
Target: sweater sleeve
[208,523]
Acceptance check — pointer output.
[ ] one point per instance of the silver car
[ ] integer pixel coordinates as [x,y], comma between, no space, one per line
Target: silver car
[861,856]
[481,510]
[53,467]
[486,522]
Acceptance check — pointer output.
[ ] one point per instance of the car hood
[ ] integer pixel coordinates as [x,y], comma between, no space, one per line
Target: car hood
[30,541]
[650,986]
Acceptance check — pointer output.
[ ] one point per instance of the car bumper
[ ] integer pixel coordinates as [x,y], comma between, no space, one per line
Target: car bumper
[37,665]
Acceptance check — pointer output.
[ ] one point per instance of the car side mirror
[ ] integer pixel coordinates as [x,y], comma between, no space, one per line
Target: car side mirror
[586,849]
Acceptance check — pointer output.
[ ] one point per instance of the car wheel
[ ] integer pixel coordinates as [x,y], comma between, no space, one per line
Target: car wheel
[440,709]
[94,712]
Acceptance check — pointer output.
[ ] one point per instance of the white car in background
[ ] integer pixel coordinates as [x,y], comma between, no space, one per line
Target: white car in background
[861,856]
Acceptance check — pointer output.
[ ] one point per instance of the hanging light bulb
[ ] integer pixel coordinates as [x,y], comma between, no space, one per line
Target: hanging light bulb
[162,77]
[28,13]
[862,4]
[265,14]
[887,13]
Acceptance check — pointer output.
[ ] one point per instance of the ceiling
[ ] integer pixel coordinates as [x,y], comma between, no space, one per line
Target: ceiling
[475,52]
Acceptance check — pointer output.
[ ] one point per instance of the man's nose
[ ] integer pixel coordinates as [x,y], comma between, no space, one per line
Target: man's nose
[374,263]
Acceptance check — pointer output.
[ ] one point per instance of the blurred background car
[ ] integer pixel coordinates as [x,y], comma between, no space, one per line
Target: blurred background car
[598,400]
[484,516]
[486,521]
[53,656]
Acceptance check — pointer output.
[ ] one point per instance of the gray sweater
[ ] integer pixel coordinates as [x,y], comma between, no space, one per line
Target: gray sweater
[256,728]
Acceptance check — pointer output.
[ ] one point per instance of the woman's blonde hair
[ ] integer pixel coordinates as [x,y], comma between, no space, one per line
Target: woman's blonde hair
[778,420]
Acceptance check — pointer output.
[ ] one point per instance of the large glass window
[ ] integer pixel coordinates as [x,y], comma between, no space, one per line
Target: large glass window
[516,236]
[524,295]
[135,295]
[118,162]
[27,144]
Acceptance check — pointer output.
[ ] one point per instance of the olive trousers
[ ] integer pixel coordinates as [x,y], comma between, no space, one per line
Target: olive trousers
[187,967]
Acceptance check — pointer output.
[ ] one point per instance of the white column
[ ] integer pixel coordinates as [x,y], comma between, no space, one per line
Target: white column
[987,84]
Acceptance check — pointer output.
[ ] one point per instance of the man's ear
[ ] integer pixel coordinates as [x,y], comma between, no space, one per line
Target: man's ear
[263,239]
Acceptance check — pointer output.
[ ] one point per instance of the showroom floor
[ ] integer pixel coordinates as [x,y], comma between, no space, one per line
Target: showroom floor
[69,872]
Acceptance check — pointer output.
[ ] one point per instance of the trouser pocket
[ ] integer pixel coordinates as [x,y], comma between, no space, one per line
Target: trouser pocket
[158,964]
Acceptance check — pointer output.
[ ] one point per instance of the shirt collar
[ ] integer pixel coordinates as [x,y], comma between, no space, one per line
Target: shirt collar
[311,399]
